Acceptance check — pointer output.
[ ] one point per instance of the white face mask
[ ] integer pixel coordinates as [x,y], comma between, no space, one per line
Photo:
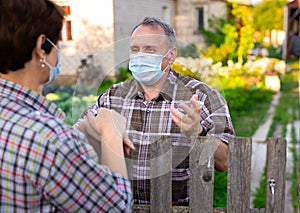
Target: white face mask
[146,68]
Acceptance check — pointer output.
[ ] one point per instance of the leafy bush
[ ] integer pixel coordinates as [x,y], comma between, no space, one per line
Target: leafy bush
[190,50]
[216,35]
[274,52]
[235,39]
[124,73]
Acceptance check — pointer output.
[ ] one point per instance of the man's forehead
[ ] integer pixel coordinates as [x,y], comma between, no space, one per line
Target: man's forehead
[148,39]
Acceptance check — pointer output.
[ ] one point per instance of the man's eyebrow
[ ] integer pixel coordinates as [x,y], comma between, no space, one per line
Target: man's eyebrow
[151,46]
[134,46]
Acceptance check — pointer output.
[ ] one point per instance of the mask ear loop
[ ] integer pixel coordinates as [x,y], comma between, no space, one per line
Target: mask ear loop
[164,56]
[52,44]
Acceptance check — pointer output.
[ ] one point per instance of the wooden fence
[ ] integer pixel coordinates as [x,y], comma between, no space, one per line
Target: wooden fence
[238,180]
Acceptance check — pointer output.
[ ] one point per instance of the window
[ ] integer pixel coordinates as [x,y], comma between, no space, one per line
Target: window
[67,28]
[67,10]
[200,19]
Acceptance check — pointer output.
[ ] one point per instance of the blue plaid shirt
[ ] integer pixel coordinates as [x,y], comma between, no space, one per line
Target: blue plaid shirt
[48,166]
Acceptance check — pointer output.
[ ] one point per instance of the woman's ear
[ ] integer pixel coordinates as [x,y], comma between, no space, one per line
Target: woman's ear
[38,48]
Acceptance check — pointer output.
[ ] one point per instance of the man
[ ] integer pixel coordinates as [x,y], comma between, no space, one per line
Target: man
[159,102]
[46,165]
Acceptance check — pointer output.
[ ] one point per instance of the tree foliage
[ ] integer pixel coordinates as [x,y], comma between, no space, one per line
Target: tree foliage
[234,39]
[268,15]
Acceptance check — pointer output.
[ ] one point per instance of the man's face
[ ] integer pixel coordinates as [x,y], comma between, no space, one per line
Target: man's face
[151,40]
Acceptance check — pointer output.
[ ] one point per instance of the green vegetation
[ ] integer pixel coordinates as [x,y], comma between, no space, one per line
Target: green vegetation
[123,74]
[235,38]
[264,18]
[248,107]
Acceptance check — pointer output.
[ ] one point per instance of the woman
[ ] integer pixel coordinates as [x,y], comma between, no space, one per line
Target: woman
[46,165]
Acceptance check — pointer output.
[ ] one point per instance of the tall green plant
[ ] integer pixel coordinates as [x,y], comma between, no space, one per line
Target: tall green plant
[216,35]
[244,25]
[235,38]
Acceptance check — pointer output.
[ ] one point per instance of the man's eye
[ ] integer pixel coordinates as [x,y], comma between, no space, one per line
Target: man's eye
[134,51]
[151,50]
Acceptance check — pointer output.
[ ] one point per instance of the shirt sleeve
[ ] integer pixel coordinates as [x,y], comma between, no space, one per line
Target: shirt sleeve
[215,115]
[78,184]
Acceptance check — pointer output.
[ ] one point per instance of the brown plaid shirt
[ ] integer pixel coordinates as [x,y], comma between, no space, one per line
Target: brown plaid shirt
[149,121]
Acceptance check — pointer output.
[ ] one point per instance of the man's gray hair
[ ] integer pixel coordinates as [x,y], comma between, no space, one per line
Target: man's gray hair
[155,22]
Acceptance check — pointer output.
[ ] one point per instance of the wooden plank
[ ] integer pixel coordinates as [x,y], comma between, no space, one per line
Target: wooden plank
[298,175]
[276,171]
[185,209]
[161,175]
[202,174]
[260,210]
[239,173]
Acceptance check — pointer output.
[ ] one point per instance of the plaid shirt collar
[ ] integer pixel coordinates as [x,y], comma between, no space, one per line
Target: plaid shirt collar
[31,98]
[138,91]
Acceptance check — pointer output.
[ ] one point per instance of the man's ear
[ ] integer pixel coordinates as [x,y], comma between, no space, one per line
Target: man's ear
[38,47]
[173,55]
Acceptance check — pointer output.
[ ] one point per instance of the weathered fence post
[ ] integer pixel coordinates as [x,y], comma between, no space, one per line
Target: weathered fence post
[276,171]
[201,159]
[161,175]
[239,173]
[202,175]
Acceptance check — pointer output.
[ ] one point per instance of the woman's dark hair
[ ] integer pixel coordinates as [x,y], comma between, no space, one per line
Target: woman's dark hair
[21,23]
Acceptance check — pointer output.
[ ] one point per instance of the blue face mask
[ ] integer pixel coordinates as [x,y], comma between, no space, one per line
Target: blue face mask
[146,68]
[54,71]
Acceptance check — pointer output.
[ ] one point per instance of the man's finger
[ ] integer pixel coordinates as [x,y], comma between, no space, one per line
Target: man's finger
[195,106]
[177,113]
[188,110]
[177,117]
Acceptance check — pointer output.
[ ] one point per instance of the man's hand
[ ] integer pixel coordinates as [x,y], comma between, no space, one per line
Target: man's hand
[189,121]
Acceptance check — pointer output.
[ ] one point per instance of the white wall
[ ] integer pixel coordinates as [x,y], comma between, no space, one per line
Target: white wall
[92,32]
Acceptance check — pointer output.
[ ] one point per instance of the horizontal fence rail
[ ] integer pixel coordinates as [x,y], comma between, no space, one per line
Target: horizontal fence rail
[201,159]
